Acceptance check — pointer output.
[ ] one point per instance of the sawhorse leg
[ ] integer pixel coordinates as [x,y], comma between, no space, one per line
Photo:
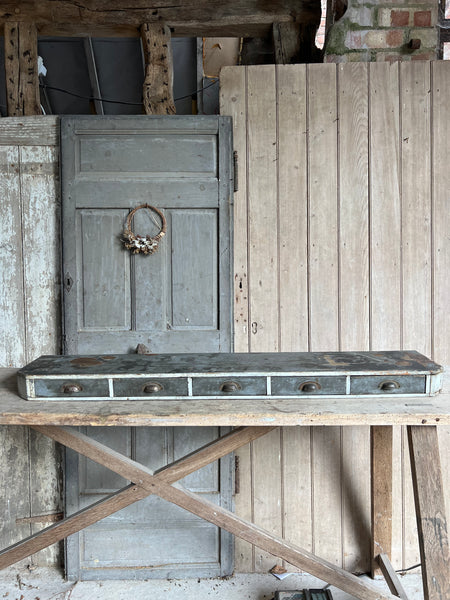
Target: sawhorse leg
[430,511]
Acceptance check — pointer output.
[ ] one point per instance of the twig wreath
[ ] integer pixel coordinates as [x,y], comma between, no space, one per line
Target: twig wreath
[139,243]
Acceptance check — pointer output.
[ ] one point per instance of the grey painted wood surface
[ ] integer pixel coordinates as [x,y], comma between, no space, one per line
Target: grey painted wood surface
[171,301]
[177,298]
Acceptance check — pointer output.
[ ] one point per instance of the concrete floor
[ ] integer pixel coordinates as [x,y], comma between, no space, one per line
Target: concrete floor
[48,584]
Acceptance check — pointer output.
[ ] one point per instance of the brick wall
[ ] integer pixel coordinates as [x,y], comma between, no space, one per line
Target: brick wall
[388,30]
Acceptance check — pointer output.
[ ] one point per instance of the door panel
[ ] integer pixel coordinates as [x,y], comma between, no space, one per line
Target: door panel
[175,300]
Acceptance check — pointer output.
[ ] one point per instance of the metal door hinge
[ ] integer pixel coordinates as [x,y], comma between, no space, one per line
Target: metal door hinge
[235,171]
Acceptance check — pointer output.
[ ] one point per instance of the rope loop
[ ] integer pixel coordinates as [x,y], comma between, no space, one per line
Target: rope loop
[139,244]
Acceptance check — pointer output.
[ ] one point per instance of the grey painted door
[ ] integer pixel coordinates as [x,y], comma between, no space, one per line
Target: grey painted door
[175,300]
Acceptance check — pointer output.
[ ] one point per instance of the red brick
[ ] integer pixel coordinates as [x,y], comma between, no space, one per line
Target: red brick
[399,18]
[394,38]
[422,18]
[390,58]
[425,56]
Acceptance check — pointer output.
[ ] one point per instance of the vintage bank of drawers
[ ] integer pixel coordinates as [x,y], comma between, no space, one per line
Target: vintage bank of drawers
[223,376]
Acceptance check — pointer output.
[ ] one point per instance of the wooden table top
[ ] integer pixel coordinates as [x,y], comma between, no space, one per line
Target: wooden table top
[424,410]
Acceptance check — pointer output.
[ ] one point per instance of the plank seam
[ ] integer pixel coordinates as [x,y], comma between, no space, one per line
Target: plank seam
[401,200]
[432,213]
[308,207]
[247,195]
[369,203]
[338,212]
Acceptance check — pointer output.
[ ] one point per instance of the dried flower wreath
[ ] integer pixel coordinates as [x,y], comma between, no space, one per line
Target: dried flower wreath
[139,243]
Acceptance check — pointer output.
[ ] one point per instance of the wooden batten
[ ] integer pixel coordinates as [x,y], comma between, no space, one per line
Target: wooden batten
[158,83]
[21,69]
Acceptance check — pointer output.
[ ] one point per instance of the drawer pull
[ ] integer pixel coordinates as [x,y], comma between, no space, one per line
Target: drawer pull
[153,387]
[229,387]
[389,386]
[72,388]
[309,387]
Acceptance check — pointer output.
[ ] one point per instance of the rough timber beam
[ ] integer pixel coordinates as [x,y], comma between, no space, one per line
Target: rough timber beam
[158,82]
[243,18]
[21,69]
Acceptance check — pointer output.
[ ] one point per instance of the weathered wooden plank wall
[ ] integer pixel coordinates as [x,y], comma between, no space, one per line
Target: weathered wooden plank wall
[341,242]
[29,313]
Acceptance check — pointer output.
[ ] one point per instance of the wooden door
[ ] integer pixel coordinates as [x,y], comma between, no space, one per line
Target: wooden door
[175,300]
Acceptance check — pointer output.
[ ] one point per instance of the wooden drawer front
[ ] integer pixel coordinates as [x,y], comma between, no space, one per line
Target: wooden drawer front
[387,384]
[151,387]
[305,386]
[229,386]
[71,388]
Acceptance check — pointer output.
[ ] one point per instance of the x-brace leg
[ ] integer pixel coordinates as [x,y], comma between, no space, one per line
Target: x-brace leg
[161,483]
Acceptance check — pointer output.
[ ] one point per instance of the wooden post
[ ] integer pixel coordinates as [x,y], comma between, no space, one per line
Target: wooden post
[381,491]
[430,511]
[21,69]
[286,41]
[158,83]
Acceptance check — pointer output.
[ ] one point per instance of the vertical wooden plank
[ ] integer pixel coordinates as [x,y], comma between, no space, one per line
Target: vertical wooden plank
[15,483]
[41,256]
[46,459]
[41,262]
[327,489]
[293,212]
[263,282]
[233,102]
[263,209]
[416,205]
[233,98]
[440,87]
[398,452]
[296,497]
[323,207]
[12,329]
[267,493]
[381,491]
[353,206]
[430,510]
[323,296]
[385,238]
[416,243]
[354,296]
[385,207]
[293,277]
[440,211]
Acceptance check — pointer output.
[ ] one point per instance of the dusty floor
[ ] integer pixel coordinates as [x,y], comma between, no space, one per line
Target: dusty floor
[48,584]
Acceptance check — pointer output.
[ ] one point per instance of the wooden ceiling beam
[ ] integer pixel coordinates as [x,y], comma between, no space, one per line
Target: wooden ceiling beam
[242,18]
